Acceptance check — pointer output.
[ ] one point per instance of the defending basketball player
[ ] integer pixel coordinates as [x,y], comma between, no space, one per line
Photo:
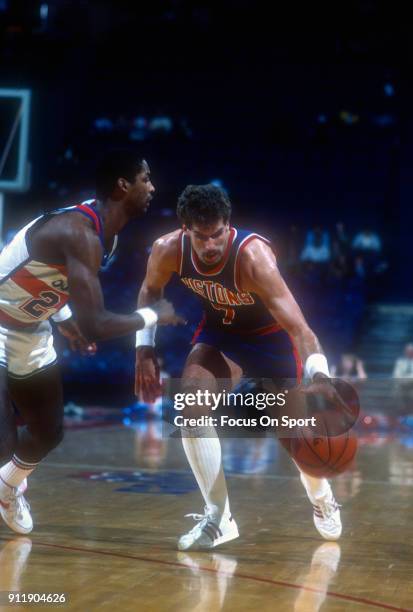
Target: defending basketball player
[55,258]
[252,327]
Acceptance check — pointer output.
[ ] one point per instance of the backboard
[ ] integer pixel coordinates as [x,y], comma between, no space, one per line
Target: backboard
[14,138]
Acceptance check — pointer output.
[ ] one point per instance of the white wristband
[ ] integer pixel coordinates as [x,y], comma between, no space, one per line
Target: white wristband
[316,364]
[149,316]
[62,315]
[146,336]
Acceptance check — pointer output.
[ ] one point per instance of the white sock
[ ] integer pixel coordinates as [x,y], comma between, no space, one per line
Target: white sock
[203,451]
[315,487]
[13,473]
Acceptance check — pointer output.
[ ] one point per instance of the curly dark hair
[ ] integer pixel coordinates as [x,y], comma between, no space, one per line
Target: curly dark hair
[203,204]
[115,164]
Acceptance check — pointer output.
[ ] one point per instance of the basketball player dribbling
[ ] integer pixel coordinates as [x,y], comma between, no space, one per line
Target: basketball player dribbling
[252,326]
[55,258]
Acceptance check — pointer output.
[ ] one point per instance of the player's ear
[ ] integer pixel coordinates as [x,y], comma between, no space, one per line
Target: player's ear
[123,184]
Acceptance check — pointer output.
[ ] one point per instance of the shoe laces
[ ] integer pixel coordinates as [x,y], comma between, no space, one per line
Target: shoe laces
[327,506]
[201,519]
[18,503]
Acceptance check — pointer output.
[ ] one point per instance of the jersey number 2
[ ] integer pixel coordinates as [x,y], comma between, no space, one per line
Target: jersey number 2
[38,306]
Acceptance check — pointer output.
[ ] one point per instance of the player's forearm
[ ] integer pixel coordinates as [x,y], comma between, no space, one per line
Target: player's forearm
[106,325]
[305,341]
[291,319]
[149,295]
[288,314]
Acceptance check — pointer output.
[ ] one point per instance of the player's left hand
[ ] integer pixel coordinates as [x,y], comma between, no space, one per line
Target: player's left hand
[70,330]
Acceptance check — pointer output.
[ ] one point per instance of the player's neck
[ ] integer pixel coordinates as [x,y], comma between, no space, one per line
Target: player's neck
[113,216]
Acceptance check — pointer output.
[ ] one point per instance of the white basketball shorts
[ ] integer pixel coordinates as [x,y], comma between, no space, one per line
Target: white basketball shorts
[25,352]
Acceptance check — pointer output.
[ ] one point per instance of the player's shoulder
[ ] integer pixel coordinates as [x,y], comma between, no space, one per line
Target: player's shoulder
[254,246]
[73,234]
[168,242]
[166,248]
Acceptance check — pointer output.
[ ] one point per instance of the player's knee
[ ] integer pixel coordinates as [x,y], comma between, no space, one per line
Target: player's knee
[189,385]
[195,398]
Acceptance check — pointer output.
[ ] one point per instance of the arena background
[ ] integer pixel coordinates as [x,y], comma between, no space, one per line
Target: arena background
[302,114]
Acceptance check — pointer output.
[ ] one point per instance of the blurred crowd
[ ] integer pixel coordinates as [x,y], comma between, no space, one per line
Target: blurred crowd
[322,253]
[140,127]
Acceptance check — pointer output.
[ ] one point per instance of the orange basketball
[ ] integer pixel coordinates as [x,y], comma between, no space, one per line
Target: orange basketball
[323,456]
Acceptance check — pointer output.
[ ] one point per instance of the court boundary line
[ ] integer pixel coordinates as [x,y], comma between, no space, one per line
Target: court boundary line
[241,575]
[135,468]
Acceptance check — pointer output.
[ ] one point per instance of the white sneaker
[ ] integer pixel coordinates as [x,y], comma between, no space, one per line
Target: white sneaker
[15,511]
[209,532]
[327,516]
[326,513]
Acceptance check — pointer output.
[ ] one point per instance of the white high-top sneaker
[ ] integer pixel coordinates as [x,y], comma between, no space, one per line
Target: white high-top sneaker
[209,532]
[14,509]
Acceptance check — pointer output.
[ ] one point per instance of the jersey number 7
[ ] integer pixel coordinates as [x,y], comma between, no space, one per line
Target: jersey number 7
[229,313]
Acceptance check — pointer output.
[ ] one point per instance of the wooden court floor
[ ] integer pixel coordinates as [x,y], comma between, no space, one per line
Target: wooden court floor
[110,502]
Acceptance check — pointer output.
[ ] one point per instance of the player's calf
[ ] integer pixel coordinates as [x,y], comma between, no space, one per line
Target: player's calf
[36,442]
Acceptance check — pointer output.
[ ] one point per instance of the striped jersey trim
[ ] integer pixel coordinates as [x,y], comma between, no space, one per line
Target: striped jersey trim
[241,247]
[33,285]
[180,253]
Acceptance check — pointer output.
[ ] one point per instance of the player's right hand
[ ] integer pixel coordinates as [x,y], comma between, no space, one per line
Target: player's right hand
[339,397]
[147,383]
[166,313]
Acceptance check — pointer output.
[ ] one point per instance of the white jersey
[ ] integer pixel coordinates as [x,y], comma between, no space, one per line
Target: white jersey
[32,291]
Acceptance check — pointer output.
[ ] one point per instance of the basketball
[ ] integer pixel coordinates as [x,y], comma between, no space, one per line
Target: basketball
[323,456]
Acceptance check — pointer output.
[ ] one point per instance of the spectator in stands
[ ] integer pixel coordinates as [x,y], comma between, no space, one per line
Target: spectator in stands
[339,241]
[403,372]
[139,130]
[359,267]
[339,269]
[403,368]
[317,247]
[161,125]
[367,247]
[350,367]
[367,241]
[103,124]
